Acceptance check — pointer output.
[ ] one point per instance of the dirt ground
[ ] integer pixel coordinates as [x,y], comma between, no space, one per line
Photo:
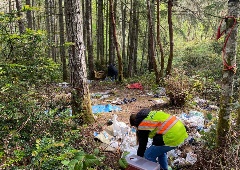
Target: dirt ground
[144,99]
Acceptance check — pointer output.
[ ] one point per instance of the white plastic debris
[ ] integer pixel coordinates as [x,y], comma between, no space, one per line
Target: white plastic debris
[119,128]
[191,158]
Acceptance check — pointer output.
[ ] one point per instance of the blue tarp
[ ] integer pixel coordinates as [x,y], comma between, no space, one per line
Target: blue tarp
[105,108]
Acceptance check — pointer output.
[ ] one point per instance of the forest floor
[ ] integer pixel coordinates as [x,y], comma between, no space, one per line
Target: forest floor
[143,99]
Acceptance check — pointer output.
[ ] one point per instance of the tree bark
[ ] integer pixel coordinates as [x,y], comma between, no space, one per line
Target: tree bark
[131,38]
[150,10]
[100,33]
[170,27]
[151,40]
[81,103]
[111,50]
[52,29]
[159,40]
[62,41]
[88,14]
[228,74]
[120,65]
[123,6]
[29,15]
[47,14]
[19,14]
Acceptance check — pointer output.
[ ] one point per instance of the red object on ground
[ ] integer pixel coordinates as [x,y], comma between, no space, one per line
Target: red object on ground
[135,86]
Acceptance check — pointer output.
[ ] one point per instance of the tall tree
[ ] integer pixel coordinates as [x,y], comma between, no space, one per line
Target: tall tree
[62,41]
[88,20]
[29,15]
[131,39]
[229,61]
[238,112]
[47,26]
[123,9]
[81,103]
[120,65]
[19,14]
[170,29]
[151,49]
[159,39]
[52,29]
[100,33]
[152,42]
[111,51]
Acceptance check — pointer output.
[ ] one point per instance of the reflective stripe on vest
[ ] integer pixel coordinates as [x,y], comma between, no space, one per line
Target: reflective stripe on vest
[168,124]
[162,128]
[149,125]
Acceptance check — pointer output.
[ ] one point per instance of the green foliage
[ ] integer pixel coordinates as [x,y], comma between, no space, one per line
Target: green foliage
[209,137]
[122,161]
[24,69]
[82,161]
[202,59]
[207,88]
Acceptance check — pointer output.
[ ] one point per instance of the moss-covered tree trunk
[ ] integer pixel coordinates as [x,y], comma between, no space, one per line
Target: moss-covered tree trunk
[81,103]
[228,74]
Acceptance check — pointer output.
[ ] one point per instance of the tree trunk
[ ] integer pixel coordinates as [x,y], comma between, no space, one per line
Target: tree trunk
[228,74]
[88,14]
[62,42]
[150,4]
[29,15]
[144,49]
[151,40]
[100,33]
[81,103]
[131,40]
[123,6]
[107,30]
[120,65]
[238,112]
[135,52]
[19,14]
[159,40]
[52,29]
[111,39]
[47,26]
[170,59]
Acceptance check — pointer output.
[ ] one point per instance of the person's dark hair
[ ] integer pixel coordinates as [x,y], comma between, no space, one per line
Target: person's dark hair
[132,119]
[141,114]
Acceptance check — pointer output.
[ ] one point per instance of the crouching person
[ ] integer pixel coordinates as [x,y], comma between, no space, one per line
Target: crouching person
[166,131]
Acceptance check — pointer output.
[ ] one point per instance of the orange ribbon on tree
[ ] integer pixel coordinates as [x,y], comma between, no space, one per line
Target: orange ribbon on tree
[219,34]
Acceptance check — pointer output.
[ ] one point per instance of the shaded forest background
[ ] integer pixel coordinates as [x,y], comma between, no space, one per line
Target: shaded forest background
[169,44]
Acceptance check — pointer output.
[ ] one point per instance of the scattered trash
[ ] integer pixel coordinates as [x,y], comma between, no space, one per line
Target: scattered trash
[205,104]
[160,92]
[135,86]
[193,119]
[109,122]
[64,84]
[120,129]
[105,108]
[191,158]
[123,138]
[124,101]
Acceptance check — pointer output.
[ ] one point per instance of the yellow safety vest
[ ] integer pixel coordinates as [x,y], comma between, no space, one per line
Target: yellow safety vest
[158,122]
